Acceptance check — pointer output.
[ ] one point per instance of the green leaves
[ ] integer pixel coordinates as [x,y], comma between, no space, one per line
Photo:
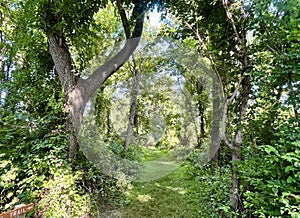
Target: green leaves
[272,173]
[269,149]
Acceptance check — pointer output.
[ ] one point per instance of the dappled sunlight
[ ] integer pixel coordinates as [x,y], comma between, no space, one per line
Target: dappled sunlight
[177,189]
[144,198]
[177,195]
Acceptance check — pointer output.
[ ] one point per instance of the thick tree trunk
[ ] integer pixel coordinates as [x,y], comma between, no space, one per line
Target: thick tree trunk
[75,106]
[74,102]
[78,90]
[133,104]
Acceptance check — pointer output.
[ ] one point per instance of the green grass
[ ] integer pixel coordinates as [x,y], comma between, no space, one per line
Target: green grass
[183,191]
[156,164]
[152,153]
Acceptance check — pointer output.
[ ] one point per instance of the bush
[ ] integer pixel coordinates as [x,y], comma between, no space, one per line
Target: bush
[212,189]
[272,175]
[62,196]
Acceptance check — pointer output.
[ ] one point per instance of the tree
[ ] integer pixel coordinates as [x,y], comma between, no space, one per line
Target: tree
[6,62]
[270,170]
[220,27]
[79,90]
[136,76]
[67,27]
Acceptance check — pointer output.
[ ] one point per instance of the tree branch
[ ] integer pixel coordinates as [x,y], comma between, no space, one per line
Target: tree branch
[230,18]
[123,18]
[201,41]
[102,73]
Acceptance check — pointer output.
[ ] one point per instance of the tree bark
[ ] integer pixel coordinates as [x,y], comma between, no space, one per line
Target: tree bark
[78,90]
[133,103]
[234,193]
[73,87]
[216,118]
[239,29]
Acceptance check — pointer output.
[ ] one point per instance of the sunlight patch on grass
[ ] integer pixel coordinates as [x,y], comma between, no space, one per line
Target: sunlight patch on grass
[144,198]
[178,189]
[181,193]
[152,153]
[153,170]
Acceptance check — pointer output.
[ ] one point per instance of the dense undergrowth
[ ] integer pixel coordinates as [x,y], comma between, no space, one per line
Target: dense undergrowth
[60,190]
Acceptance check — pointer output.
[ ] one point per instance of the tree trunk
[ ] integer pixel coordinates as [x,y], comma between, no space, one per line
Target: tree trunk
[75,106]
[216,118]
[201,107]
[235,193]
[74,100]
[78,90]
[133,104]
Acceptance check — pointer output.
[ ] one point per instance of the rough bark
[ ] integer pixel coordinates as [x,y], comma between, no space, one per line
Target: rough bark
[77,90]
[73,88]
[234,193]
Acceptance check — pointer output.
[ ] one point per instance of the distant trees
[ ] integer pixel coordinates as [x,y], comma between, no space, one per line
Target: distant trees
[220,28]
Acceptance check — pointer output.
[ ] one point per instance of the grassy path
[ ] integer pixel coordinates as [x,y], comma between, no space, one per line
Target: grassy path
[171,196]
[184,192]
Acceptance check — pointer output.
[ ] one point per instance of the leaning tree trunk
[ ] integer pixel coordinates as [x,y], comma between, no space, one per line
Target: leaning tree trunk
[77,90]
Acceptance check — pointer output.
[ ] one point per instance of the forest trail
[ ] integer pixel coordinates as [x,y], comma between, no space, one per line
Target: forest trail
[181,191]
[173,195]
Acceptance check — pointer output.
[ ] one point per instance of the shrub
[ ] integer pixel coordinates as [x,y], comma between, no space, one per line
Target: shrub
[271,176]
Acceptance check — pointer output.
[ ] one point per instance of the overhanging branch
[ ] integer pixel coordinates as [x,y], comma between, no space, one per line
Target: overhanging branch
[103,72]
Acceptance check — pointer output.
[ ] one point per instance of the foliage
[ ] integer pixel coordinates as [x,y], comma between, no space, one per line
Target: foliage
[61,196]
[33,138]
[33,141]
[72,18]
[32,135]
[272,174]
[133,153]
